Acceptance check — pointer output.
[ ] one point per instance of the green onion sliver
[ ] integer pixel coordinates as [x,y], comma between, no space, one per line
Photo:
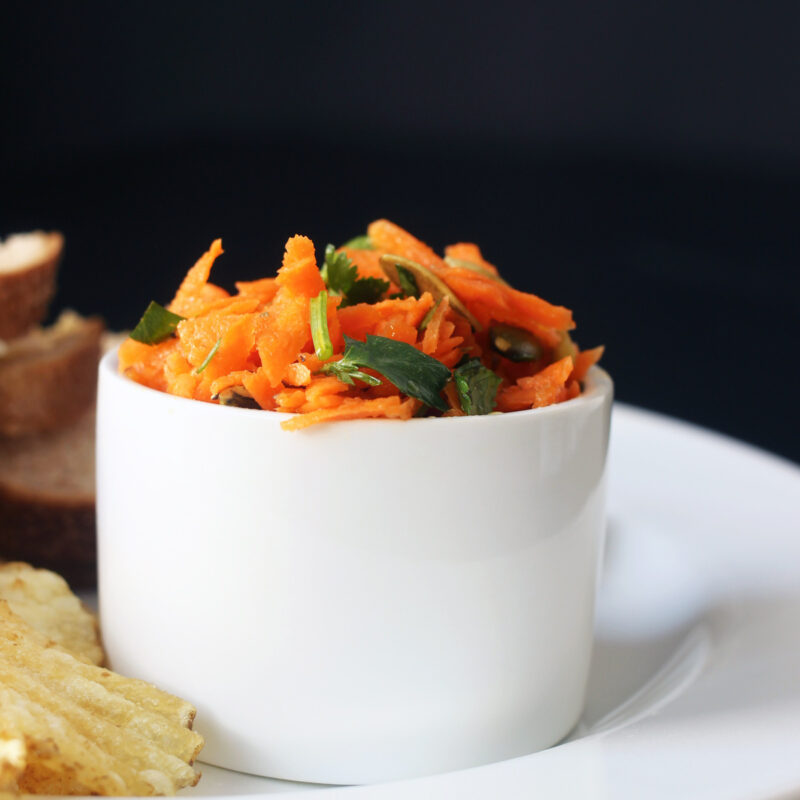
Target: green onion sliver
[319,326]
[211,354]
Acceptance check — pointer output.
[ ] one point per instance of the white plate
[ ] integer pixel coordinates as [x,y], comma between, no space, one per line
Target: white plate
[695,684]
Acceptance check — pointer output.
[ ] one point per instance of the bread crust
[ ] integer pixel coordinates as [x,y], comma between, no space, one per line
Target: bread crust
[51,533]
[25,293]
[47,500]
[50,385]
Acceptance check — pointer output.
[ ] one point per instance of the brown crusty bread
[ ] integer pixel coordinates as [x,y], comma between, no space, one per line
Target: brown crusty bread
[48,378]
[28,266]
[47,495]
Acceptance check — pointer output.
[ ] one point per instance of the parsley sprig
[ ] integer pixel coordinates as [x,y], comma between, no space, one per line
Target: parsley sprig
[477,387]
[341,278]
[410,370]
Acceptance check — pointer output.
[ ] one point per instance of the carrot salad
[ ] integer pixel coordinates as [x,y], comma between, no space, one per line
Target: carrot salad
[386,327]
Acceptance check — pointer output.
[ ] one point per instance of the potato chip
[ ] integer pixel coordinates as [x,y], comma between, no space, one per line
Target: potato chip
[44,600]
[87,730]
[12,760]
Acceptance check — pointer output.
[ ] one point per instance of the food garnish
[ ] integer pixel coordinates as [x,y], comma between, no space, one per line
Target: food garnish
[319,326]
[211,353]
[155,325]
[516,344]
[411,371]
[477,387]
[341,278]
[385,328]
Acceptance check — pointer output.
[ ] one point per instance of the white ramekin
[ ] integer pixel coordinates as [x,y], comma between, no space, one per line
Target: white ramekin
[359,601]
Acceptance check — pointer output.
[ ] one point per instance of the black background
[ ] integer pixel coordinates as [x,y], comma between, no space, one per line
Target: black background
[636,161]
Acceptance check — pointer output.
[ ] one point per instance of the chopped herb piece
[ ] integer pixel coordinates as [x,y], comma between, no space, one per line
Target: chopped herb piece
[426,320]
[319,326]
[156,324]
[341,278]
[211,353]
[477,387]
[348,373]
[366,290]
[411,371]
[360,243]
[338,271]
[408,283]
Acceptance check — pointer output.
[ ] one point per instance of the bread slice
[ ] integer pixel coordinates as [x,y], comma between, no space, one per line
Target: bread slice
[48,378]
[28,266]
[47,494]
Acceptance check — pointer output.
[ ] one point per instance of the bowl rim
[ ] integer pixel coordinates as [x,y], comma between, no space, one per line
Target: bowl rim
[597,386]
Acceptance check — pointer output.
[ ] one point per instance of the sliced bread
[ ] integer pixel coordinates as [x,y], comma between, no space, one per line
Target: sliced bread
[28,266]
[47,495]
[48,378]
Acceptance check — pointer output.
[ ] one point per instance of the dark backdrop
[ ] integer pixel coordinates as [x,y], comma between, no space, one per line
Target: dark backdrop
[637,161]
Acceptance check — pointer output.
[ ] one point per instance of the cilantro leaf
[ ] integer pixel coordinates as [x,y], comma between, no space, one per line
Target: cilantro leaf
[156,324]
[359,243]
[477,387]
[338,272]
[318,308]
[365,290]
[348,373]
[410,370]
[341,278]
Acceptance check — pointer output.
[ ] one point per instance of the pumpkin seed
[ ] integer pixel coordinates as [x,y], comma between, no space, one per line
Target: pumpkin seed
[516,344]
[426,281]
[462,263]
[236,396]
[566,347]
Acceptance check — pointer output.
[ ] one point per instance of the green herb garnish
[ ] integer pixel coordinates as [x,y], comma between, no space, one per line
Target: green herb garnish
[477,387]
[319,326]
[156,324]
[408,283]
[411,371]
[426,320]
[360,243]
[341,278]
[211,353]
[366,290]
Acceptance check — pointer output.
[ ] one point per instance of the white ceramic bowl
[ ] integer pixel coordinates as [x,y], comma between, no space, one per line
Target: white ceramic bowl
[359,601]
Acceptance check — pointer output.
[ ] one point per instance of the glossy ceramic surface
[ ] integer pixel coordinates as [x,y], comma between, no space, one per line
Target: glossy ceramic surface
[358,602]
[694,689]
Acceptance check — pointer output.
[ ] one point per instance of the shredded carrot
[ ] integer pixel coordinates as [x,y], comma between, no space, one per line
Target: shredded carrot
[393,239]
[359,320]
[260,342]
[353,408]
[467,251]
[585,360]
[367,262]
[541,389]
[264,289]
[194,291]
[430,340]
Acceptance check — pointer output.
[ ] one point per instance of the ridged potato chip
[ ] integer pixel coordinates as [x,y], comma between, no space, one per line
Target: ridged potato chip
[12,760]
[85,729]
[44,600]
